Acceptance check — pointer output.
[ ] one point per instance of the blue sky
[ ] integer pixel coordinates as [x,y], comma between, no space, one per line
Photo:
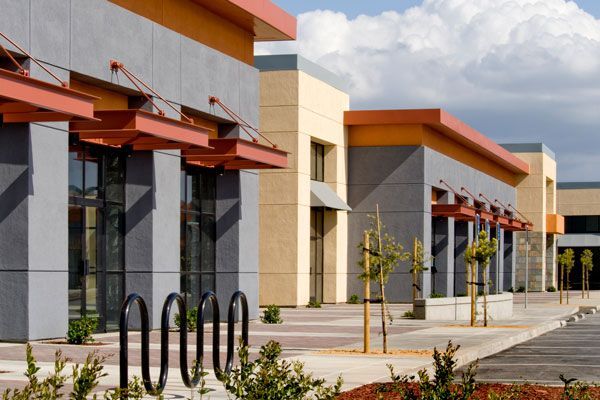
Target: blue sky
[353,8]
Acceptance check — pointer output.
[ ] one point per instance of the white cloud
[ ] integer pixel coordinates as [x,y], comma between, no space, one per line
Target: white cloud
[531,66]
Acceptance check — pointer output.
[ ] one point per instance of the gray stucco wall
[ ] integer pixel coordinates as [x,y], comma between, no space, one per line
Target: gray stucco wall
[400,180]
[77,39]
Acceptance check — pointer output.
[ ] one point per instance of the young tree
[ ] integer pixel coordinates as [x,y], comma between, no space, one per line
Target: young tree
[566,260]
[385,255]
[482,253]
[587,263]
[418,260]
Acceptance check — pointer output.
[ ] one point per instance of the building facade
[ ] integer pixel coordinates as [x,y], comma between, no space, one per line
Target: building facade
[579,202]
[303,210]
[118,193]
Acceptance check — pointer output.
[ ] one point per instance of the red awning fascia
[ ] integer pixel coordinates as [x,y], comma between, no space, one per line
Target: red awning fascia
[485,215]
[26,99]
[501,219]
[237,153]
[460,212]
[142,130]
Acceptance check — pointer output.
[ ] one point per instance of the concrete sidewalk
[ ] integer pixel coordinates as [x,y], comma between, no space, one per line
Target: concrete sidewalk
[307,333]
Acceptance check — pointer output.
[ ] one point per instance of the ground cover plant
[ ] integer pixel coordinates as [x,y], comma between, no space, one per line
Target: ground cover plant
[272,315]
[443,385]
[80,330]
[192,319]
[354,299]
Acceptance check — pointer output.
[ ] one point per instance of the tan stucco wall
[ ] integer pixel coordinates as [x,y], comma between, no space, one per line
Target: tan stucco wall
[536,197]
[579,201]
[295,109]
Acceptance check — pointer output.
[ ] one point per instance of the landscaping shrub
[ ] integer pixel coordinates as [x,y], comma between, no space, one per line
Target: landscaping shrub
[192,319]
[271,315]
[511,290]
[441,385]
[521,289]
[354,299]
[313,304]
[408,314]
[80,330]
[436,296]
[551,289]
[269,378]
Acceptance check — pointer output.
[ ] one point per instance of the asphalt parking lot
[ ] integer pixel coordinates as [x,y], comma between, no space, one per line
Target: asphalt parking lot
[573,351]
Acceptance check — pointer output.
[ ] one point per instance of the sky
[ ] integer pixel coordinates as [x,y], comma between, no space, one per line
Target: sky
[516,70]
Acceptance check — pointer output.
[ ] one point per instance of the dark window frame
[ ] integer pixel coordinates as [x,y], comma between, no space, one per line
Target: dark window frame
[317,162]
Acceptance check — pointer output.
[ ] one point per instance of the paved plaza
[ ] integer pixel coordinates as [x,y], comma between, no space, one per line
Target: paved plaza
[306,334]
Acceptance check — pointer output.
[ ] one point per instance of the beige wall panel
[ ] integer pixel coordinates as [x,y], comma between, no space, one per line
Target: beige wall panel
[323,130]
[281,255]
[579,201]
[342,257]
[279,289]
[322,98]
[304,190]
[303,265]
[279,119]
[304,153]
[278,88]
[279,189]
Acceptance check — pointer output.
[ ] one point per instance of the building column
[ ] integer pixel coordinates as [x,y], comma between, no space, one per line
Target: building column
[237,238]
[152,243]
[492,267]
[537,260]
[335,257]
[509,255]
[551,264]
[463,233]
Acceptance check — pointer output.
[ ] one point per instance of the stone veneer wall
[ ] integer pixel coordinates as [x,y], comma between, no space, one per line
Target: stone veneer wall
[537,260]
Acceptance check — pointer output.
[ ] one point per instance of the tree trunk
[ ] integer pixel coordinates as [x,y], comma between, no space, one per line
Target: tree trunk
[485,316]
[587,279]
[583,269]
[562,280]
[414,274]
[568,287]
[381,286]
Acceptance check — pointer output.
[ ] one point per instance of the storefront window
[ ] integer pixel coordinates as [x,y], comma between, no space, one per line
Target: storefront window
[198,232]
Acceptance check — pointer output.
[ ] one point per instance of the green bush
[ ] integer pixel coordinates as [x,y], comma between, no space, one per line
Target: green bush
[441,385]
[436,295]
[521,289]
[271,315]
[313,304]
[511,290]
[354,299]
[80,330]
[192,319]
[270,378]
[551,289]
[408,314]
[461,295]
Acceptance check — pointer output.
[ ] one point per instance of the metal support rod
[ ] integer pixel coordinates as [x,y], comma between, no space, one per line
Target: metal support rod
[367,295]
[498,236]
[526,263]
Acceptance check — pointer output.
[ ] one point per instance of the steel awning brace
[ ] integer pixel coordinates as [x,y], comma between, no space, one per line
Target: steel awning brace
[246,127]
[25,99]
[140,129]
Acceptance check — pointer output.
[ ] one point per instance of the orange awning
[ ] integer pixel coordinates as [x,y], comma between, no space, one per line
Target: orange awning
[142,130]
[460,212]
[236,153]
[26,99]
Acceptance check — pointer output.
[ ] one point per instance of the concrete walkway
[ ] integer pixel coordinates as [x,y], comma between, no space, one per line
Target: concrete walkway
[307,334]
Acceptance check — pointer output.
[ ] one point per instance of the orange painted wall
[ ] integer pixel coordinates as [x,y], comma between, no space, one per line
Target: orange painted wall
[109,100]
[197,23]
[421,135]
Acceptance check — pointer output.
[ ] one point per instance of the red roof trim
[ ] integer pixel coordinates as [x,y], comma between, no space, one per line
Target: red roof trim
[446,124]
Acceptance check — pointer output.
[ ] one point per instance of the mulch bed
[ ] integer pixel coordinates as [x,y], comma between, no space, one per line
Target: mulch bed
[528,392]
[64,342]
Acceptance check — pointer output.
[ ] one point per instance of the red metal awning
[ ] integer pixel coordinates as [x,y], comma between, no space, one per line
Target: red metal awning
[236,153]
[460,212]
[142,130]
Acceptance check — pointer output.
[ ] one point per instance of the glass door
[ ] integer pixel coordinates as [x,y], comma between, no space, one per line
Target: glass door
[96,226]
[317,216]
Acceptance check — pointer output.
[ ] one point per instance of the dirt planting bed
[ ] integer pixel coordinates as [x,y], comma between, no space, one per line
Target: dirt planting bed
[525,392]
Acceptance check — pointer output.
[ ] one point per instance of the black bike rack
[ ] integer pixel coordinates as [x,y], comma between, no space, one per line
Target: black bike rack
[238,298]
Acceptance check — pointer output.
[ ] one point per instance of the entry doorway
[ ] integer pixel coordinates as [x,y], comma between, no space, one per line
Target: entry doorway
[96,230]
[317,219]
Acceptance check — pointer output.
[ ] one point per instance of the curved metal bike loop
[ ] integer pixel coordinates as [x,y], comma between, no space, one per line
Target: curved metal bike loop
[124,345]
[237,299]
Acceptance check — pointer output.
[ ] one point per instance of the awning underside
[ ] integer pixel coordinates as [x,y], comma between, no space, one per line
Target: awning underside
[142,130]
[321,195]
[25,99]
[236,153]
[463,212]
